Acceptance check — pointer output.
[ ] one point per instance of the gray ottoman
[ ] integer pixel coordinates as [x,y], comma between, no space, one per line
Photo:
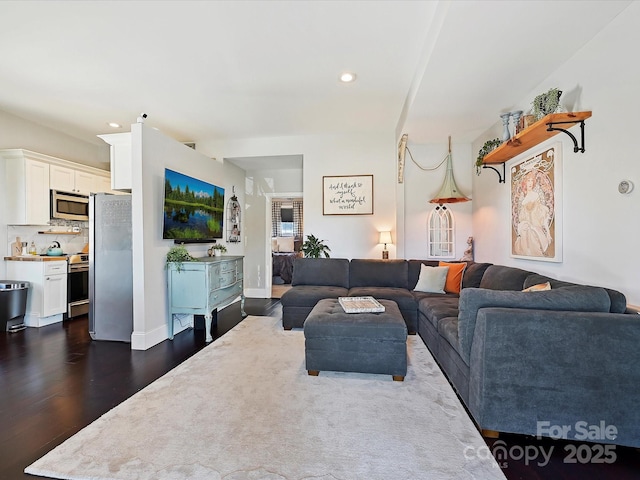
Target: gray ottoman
[356,342]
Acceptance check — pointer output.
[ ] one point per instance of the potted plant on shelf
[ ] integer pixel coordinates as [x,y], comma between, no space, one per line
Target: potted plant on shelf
[177,255]
[313,247]
[217,249]
[546,103]
[488,146]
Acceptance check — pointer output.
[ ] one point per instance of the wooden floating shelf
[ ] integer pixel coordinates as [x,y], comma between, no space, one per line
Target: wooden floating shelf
[532,136]
[49,232]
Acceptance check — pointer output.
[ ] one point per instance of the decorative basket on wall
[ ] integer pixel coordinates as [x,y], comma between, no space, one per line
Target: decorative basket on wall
[234,220]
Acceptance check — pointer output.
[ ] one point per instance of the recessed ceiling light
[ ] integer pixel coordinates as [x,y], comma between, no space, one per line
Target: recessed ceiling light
[347,77]
[114,125]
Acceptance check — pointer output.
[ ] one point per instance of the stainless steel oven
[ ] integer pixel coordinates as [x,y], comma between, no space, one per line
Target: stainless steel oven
[78,285]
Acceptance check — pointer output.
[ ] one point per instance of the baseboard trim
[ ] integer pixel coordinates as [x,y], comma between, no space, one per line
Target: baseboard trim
[144,341]
[31,320]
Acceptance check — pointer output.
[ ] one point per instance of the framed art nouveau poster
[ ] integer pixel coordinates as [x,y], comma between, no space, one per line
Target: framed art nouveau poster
[536,205]
[347,195]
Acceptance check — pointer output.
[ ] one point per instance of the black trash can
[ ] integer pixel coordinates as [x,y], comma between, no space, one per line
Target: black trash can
[13,305]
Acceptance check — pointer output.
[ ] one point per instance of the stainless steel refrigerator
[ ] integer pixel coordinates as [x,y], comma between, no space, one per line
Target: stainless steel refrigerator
[110,267]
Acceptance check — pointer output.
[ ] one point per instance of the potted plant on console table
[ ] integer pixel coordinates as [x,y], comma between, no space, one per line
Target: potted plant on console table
[216,250]
[177,255]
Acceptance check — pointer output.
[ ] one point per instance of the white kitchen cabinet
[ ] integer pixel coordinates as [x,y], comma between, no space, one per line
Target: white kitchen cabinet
[27,189]
[78,181]
[30,176]
[120,160]
[54,293]
[47,295]
[71,180]
[62,178]
[103,184]
[85,182]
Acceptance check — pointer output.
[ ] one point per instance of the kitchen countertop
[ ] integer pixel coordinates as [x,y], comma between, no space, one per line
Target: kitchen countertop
[37,258]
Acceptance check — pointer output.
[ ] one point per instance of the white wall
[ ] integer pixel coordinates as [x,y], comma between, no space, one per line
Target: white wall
[348,236]
[351,236]
[421,186]
[601,227]
[16,132]
[152,152]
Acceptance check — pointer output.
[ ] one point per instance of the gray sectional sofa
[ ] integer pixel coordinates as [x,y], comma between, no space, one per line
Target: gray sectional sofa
[318,278]
[521,362]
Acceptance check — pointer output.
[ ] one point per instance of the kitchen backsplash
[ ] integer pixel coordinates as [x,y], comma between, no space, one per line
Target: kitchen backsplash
[60,232]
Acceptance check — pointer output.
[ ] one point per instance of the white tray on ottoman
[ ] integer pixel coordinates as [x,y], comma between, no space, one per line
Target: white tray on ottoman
[360,305]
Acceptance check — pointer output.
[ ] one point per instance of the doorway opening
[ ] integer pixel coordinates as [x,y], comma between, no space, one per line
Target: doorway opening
[265,178]
[287,235]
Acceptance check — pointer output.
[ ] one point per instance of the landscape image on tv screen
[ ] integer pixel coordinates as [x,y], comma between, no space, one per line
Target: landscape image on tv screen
[193,209]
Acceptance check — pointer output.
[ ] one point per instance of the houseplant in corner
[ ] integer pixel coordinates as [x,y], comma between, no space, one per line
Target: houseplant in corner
[177,255]
[313,247]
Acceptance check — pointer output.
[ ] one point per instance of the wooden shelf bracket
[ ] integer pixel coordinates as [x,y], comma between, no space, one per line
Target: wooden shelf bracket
[551,128]
[501,176]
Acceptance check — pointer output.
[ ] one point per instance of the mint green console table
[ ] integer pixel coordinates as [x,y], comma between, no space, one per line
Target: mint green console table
[202,286]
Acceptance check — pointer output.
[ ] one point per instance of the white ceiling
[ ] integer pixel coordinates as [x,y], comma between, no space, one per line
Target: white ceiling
[218,69]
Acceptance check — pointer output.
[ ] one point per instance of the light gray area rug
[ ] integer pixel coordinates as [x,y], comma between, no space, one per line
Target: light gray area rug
[244,408]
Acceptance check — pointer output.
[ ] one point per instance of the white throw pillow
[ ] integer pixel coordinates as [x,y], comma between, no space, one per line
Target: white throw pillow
[274,244]
[432,279]
[285,244]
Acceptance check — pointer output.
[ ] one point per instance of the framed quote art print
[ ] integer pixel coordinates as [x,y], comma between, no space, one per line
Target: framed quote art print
[536,205]
[347,195]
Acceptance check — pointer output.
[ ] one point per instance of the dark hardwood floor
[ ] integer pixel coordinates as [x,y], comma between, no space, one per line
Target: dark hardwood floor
[55,380]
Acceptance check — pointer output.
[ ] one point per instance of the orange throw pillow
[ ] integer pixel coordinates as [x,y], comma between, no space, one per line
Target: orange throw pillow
[454,276]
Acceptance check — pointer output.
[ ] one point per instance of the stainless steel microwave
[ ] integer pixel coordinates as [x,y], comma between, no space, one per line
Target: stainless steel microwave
[69,206]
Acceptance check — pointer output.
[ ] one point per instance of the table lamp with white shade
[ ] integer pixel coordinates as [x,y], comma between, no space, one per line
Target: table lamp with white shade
[385,238]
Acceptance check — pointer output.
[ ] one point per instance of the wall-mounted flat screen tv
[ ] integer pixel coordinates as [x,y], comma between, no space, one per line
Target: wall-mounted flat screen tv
[193,209]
